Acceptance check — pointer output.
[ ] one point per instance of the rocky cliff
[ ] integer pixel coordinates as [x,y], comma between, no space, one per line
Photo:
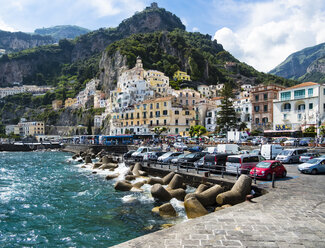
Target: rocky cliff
[62,32]
[17,41]
[83,47]
[295,66]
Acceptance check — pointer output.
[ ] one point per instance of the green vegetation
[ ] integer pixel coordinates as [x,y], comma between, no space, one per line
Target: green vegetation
[227,115]
[62,32]
[197,130]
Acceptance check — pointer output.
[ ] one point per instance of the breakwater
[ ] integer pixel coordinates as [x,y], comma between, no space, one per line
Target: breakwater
[27,147]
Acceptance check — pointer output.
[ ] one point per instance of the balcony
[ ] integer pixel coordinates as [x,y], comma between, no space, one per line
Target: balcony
[285,110]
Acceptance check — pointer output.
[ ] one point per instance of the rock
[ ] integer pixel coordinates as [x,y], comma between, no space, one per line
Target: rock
[179,194]
[143,173]
[112,176]
[222,207]
[166,179]
[159,192]
[108,166]
[83,167]
[168,225]
[167,210]
[155,210]
[123,186]
[107,159]
[93,156]
[80,160]
[88,160]
[75,156]
[238,192]
[176,182]
[139,184]
[194,208]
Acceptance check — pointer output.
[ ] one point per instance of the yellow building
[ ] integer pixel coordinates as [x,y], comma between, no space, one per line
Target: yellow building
[144,117]
[181,75]
[69,102]
[188,97]
[56,104]
[31,128]
[158,82]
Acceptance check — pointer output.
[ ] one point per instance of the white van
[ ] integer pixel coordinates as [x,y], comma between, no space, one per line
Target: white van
[211,149]
[228,148]
[270,151]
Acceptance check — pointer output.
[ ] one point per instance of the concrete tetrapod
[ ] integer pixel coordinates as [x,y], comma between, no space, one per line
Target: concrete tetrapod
[123,186]
[108,166]
[238,192]
[179,194]
[88,160]
[159,192]
[136,170]
[207,197]
[167,210]
[176,182]
[194,208]
[163,181]
[112,176]
[201,188]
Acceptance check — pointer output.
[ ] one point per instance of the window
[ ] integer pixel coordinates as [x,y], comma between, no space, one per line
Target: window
[131,115]
[138,123]
[257,108]
[165,104]
[176,122]
[138,115]
[257,120]
[151,114]
[150,123]
[176,130]
[157,105]
[176,112]
[310,92]
[187,112]
[144,106]
[299,117]
[287,107]
[193,95]
[256,98]
[186,102]
[301,107]
[165,112]
[265,120]
[324,91]
[285,96]
[186,94]
[299,94]
[209,121]
[151,106]
[157,122]
[193,102]
[165,122]
[144,115]
[157,113]
[310,106]
[265,96]
[265,108]
[187,122]
[285,116]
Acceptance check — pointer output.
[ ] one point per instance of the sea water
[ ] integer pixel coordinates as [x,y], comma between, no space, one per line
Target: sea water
[48,200]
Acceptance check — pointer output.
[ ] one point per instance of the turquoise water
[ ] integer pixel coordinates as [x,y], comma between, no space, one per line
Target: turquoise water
[45,201]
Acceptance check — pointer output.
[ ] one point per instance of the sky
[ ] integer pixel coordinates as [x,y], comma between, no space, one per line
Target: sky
[261,33]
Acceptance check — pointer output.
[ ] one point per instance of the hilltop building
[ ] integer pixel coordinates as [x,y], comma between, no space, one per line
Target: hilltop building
[181,76]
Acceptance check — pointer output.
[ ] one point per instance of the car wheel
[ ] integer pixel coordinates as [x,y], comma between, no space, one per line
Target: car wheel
[313,171]
[268,177]
[284,174]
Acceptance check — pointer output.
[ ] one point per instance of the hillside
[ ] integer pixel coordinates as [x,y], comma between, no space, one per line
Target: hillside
[17,41]
[298,65]
[26,65]
[62,32]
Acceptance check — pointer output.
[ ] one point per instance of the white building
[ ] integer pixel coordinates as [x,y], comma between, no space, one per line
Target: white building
[22,89]
[243,108]
[89,91]
[211,119]
[300,106]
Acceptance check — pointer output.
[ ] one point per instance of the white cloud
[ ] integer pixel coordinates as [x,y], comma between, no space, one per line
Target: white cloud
[195,29]
[5,27]
[273,30]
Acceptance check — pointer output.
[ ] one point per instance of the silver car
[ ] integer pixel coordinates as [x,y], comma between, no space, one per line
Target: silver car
[309,155]
[313,166]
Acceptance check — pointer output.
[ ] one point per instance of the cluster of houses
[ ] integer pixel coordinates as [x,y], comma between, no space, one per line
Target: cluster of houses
[143,100]
[34,89]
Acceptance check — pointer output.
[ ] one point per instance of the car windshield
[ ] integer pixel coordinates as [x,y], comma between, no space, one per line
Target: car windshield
[191,155]
[181,156]
[255,152]
[263,165]
[167,154]
[139,149]
[313,161]
[285,152]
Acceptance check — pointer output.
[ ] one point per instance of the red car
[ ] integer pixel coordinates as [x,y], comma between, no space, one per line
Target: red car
[265,169]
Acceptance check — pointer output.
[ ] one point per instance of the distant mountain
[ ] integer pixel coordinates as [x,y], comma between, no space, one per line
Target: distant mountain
[17,41]
[62,32]
[304,65]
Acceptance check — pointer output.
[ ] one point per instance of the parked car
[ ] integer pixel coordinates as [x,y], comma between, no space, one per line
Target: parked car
[255,152]
[199,163]
[270,151]
[138,154]
[195,149]
[265,169]
[305,141]
[181,146]
[290,155]
[291,142]
[216,161]
[279,140]
[128,154]
[152,156]
[168,156]
[242,163]
[190,158]
[176,159]
[210,149]
[313,166]
[309,155]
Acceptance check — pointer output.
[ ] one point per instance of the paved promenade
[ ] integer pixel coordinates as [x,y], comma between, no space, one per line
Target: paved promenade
[290,215]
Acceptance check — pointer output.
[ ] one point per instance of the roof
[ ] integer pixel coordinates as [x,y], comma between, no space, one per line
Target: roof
[166,98]
[305,84]
[217,98]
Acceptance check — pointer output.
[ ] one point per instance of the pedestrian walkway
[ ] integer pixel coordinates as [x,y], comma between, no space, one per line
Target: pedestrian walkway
[290,215]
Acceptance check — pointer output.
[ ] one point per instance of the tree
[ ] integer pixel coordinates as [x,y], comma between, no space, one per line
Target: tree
[160,130]
[226,118]
[242,126]
[197,130]
[89,131]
